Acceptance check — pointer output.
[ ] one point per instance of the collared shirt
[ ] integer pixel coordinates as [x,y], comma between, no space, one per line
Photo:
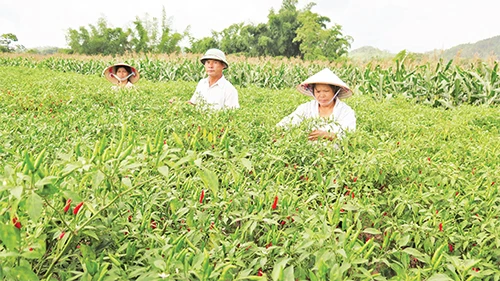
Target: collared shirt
[222,94]
[341,119]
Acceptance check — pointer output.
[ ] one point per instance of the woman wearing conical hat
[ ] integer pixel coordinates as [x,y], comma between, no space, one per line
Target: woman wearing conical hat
[122,75]
[335,116]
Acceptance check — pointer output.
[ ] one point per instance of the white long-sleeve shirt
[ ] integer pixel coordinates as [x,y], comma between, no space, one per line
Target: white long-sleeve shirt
[342,118]
[222,94]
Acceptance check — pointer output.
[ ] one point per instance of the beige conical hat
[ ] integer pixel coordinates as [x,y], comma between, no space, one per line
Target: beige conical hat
[112,70]
[325,76]
[215,54]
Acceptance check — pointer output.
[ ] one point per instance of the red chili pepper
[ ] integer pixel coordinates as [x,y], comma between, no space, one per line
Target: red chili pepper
[275,203]
[450,247]
[61,235]
[77,208]
[16,222]
[202,195]
[260,273]
[153,224]
[441,227]
[68,204]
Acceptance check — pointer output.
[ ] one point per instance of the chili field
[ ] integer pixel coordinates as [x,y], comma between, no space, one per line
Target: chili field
[104,185]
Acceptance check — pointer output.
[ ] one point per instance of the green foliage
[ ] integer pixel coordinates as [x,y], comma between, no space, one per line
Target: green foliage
[5,41]
[288,33]
[438,84]
[99,40]
[412,195]
[145,37]
[200,46]
[317,42]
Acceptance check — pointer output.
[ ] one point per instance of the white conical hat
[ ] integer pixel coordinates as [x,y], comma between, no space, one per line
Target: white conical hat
[325,76]
[112,70]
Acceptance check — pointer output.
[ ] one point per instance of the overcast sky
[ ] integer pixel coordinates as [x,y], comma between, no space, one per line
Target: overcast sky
[393,25]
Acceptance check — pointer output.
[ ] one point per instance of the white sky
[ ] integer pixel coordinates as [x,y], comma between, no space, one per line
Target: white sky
[392,25]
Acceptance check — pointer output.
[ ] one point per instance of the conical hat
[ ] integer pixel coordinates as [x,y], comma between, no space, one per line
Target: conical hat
[112,70]
[325,76]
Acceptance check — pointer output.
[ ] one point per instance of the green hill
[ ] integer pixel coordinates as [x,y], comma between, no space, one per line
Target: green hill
[483,49]
[368,53]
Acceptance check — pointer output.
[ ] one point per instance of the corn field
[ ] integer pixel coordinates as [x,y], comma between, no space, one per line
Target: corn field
[437,83]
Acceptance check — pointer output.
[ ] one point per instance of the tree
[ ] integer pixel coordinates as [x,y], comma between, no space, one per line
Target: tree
[140,38]
[318,42]
[282,30]
[5,41]
[234,39]
[200,46]
[169,42]
[145,36]
[101,39]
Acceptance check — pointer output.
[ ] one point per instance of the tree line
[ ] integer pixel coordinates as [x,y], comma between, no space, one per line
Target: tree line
[289,32]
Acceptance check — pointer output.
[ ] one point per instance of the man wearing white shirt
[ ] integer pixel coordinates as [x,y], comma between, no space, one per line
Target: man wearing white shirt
[215,91]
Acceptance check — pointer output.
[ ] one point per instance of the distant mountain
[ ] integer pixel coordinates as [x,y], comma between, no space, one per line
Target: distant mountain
[483,49]
[368,53]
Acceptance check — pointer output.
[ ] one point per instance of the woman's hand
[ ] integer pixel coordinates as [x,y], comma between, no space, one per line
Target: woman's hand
[319,134]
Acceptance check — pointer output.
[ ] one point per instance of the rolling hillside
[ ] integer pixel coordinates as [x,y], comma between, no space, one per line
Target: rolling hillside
[483,49]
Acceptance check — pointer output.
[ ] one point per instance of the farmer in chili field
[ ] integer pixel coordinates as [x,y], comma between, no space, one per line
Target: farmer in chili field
[215,91]
[332,116]
[122,75]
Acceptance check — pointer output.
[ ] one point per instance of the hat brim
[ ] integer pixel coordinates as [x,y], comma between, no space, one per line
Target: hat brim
[210,57]
[307,90]
[112,69]
[325,76]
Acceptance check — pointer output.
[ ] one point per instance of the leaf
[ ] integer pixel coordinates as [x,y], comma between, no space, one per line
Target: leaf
[439,277]
[34,203]
[24,273]
[160,264]
[414,252]
[278,269]
[211,180]
[288,274]
[46,181]
[69,168]
[17,192]
[127,182]
[246,163]
[164,170]
[404,240]
[372,231]
[9,236]
[98,178]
